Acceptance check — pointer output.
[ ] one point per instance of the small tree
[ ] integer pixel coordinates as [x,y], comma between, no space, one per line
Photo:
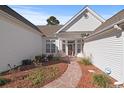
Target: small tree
[52,21]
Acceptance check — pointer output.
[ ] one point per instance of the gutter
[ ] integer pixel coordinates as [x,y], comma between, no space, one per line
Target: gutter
[115,26]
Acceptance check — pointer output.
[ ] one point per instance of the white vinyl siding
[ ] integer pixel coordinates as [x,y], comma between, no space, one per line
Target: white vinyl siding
[17,42]
[85,24]
[107,51]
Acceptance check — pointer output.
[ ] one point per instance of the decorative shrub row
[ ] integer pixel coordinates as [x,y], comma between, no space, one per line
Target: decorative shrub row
[40,58]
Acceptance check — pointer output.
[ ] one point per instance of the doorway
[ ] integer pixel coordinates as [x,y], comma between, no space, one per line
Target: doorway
[71,48]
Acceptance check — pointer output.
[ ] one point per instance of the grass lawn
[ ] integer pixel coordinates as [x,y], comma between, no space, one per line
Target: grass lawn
[33,77]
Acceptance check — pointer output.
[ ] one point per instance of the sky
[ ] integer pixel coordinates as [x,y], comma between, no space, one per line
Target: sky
[37,14]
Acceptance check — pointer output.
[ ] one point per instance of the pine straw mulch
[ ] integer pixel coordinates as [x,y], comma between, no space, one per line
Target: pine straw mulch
[86,80]
[18,78]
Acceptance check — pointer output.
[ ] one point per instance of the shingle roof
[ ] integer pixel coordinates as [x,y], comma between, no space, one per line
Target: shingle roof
[18,16]
[117,17]
[49,30]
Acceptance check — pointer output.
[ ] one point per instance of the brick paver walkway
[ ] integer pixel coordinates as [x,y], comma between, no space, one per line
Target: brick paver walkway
[69,79]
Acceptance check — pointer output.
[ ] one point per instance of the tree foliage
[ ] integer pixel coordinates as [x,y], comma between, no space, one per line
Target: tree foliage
[52,21]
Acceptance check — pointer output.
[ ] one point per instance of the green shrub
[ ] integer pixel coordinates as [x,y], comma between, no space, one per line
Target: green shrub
[101,80]
[50,57]
[56,58]
[86,61]
[3,81]
[38,58]
[43,56]
[26,62]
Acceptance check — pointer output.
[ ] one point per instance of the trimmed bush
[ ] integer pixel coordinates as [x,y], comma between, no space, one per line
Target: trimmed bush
[3,81]
[50,57]
[38,58]
[101,80]
[56,58]
[43,58]
[86,61]
[26,62]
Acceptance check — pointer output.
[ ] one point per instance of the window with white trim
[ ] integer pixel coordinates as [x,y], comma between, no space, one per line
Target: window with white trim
[63,46]
[78,48]
[50,46]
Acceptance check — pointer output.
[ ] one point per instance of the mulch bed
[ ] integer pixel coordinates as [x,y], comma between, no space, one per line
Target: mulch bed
[86,79]
[18,77]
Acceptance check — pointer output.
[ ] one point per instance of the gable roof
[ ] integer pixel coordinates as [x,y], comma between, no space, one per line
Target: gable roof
[114,22]
[49,30]
[86,8]
[11,12]
[115,18]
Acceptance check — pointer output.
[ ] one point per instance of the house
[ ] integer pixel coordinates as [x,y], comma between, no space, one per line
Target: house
[66,39]
[21,39]
[106,46]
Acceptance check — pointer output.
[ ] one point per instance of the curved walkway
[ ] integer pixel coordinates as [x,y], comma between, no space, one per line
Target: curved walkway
[69,79]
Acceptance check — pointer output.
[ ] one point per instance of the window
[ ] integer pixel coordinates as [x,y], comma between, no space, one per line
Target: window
[50,46]
[78,48]
[53,48]
[63,48]
[47,48]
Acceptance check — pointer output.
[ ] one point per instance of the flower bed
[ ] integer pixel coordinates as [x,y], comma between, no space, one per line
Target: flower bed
[34,76]
[87,79]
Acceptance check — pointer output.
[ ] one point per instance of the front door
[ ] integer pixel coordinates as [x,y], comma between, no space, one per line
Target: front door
[71,49]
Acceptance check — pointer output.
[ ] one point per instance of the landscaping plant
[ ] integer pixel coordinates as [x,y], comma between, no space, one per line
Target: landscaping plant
[43,58]
[40,75]
[50,57]
[101,80]
[3,81]
[38,58]
[56,58]
[36,77]
[86,61]
[26,62]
